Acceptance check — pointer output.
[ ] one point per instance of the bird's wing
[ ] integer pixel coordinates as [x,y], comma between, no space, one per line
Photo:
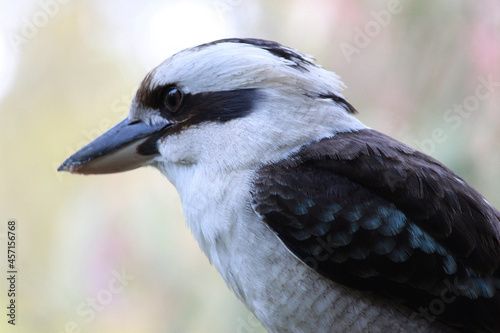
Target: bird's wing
[366,211]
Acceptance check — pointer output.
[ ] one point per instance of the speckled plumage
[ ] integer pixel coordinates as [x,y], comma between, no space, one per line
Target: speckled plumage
[368,212]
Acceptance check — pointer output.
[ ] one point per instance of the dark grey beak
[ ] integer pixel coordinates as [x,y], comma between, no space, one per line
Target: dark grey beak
[128,145]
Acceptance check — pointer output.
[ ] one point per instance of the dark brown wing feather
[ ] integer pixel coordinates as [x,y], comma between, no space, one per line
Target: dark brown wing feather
[366,211]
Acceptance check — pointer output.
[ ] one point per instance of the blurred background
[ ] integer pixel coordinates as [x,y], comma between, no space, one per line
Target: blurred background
[112,253]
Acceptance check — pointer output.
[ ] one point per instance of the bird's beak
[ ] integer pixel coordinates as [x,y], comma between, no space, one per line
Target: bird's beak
[128,145]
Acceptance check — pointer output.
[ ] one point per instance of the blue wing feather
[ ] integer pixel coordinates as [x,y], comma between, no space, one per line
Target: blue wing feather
[374,214]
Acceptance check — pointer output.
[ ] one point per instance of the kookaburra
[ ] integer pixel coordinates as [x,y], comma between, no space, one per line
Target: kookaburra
[315,221]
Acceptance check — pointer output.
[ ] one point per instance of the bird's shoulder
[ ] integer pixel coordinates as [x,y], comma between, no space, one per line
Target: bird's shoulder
[367,211]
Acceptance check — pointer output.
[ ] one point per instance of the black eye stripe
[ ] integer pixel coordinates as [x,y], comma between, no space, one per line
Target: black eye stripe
[152,98]
[218,106]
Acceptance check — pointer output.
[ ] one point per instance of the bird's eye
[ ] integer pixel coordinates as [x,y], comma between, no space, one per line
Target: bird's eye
[173,99]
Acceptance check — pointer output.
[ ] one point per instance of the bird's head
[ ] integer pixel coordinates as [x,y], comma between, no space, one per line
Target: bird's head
[232,103]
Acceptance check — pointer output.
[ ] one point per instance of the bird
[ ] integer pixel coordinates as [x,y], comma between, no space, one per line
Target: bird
[315,221]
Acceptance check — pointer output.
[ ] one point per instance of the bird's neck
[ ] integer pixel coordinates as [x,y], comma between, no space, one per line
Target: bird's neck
[210,201]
